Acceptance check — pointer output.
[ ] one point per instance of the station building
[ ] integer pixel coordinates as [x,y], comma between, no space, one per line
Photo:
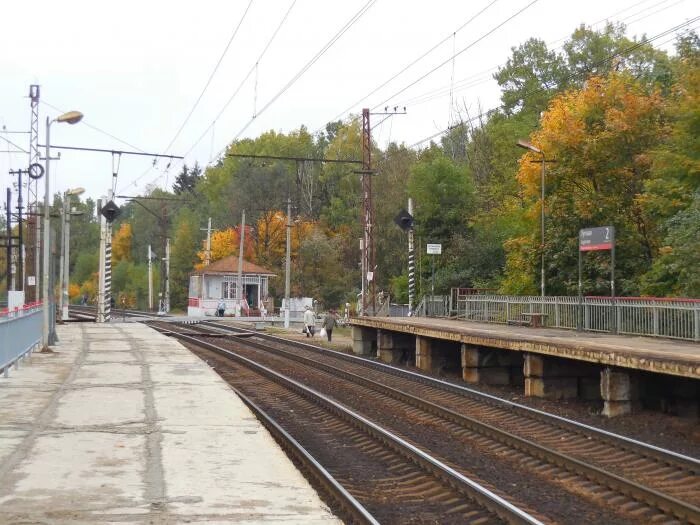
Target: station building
[219,281]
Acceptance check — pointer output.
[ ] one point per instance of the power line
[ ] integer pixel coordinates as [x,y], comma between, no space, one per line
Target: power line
[83,121]
[252,69]
[488,33]
[572,75]
[21,150]
[211,76]
[228,102]
[464,84]
[308,65]
[465,24]
[460,85]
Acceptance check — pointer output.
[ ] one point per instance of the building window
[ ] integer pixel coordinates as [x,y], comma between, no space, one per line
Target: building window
[228,290]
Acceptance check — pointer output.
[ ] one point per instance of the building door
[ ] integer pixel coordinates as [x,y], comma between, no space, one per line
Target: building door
[251,295]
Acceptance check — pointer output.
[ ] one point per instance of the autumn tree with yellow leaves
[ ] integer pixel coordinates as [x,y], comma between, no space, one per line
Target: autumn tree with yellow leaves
[598,141]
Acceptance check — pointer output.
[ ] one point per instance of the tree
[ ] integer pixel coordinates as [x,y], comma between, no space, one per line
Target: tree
[187,179]
[530,77]
[601,137]
[673,192]
[227,242]
[183,256]
[121,243]
[598,53]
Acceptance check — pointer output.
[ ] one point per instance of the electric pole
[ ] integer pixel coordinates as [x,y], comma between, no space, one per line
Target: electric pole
[167,276]
[150,279]
[411,264]
[369,265]
[207,252]
[288,264]
[240,259]
[34,228]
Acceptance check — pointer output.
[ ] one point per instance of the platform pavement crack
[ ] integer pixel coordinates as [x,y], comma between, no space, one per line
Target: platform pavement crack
[155,476]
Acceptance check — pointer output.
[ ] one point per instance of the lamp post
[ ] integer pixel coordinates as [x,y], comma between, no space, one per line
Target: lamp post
[65,249]
[526,145]
[72,117]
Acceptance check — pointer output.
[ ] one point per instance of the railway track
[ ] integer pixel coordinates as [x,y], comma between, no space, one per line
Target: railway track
[89,312]
[641,481]
[389,479]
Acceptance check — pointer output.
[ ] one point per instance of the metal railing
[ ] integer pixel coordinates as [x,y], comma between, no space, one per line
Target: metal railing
[20,333]
[656,317]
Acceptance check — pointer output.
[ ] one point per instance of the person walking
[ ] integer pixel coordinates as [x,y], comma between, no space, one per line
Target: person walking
[329,322]
[221,308]
[309,321]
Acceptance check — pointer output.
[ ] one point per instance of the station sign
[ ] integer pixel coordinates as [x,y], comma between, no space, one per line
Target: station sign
[593,239]
[434,249]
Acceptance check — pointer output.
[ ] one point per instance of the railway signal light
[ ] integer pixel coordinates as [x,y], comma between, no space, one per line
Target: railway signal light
[404,220]
[110,211]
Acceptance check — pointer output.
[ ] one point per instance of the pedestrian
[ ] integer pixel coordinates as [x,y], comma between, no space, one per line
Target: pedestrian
[309,322]
[329,322]
[221,308]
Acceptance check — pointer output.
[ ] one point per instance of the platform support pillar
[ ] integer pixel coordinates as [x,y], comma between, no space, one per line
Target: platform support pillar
[394,348]
[364,341]
[424,353]
[490,366]
[550,377]
[618,390]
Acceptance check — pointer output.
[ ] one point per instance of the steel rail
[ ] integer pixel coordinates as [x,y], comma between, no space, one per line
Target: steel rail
[629,488]
[341,496]
[646,495]
[117,312]
[570,424]
[445,473]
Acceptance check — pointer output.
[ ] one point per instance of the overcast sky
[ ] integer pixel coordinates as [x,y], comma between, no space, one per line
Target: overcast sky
[137,68]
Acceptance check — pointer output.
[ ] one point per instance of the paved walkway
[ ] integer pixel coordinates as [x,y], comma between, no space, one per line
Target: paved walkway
[645,353]
[124,425]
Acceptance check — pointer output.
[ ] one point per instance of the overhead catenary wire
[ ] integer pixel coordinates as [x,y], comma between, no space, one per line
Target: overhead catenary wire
[464,49]
[414,62]
[444,91]
[9,142]
[211,77]
[250,72]
[307,66]
[479,78]
[92,126]
[619,54]
[231,98]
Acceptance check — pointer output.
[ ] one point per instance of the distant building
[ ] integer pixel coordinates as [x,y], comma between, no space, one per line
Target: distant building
[219,281]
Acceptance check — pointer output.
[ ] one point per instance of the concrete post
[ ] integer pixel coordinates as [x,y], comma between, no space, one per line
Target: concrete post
[618,392]
[364,341]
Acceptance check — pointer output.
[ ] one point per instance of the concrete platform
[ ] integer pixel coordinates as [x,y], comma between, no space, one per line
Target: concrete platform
[665,356]
[124,425]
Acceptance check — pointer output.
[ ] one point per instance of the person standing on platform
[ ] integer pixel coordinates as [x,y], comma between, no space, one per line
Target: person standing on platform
[329,323]
[309,322]
[221,308]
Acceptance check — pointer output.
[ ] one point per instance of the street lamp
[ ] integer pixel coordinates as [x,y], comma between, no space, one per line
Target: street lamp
[526,145]
[72,117]
[65,248]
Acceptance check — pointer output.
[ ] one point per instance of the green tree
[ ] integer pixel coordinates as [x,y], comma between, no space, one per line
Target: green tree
[601,137]
[186,243]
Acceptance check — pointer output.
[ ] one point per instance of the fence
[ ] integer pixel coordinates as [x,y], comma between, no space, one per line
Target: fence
[657,317]
[20,333]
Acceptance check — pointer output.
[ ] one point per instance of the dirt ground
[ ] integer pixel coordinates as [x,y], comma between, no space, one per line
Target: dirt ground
[341,338]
